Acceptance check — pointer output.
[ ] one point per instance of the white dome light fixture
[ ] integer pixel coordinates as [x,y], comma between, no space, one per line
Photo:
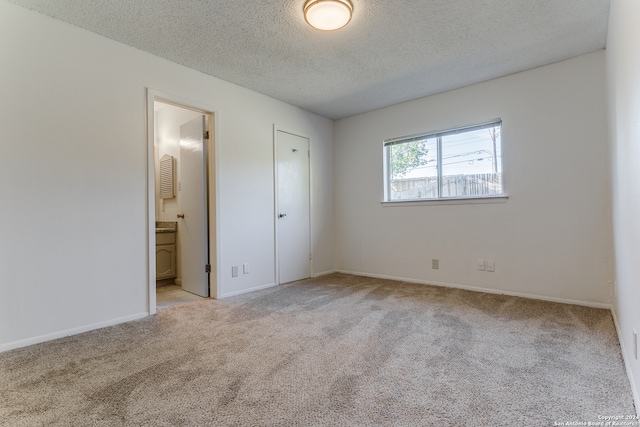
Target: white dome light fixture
[328,14]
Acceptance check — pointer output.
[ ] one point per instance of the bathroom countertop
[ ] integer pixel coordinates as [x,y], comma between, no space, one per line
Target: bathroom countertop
[166,226]
[165,230]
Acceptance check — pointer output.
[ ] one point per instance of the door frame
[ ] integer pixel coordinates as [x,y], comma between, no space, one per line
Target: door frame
[213,191]
[276,239]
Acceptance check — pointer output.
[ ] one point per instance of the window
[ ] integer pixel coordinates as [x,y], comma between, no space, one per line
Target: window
[453,164]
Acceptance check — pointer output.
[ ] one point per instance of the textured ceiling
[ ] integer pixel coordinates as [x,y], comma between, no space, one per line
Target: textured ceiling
[391,51]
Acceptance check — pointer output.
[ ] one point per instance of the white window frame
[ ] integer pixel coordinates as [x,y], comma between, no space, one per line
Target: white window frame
[496,198]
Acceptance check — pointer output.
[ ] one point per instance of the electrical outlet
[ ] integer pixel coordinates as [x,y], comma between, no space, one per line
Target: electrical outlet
[491,266]
[435,264]
[234,271]
[245,268]
[481,265]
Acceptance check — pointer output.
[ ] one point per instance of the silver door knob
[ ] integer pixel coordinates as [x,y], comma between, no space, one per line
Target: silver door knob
[282,215]
[180,215]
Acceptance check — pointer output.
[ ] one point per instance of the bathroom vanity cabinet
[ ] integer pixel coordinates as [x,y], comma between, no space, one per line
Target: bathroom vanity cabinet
[165,255]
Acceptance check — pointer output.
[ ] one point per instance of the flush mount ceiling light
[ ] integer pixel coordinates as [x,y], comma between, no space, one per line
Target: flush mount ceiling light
[328,14]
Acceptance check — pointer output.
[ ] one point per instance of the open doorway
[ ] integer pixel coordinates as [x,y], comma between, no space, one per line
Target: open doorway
[182,215]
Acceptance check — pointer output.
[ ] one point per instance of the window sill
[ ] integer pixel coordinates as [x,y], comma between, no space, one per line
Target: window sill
[451,201]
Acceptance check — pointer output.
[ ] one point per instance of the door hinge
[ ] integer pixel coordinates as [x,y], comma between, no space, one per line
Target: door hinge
[207,268]
[205,134]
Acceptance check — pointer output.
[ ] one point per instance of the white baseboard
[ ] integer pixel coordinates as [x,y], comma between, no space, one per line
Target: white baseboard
[68,332]
[627,365]
[324,273]
[486,290]
[270,285]
[246,291]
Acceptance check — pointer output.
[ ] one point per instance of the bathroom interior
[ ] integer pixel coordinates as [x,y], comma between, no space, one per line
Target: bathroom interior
[168,209]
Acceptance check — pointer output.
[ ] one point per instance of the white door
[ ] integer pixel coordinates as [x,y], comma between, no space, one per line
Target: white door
[192,223]
[292,214]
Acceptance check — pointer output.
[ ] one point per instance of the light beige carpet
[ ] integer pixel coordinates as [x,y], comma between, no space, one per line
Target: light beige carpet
[339,350]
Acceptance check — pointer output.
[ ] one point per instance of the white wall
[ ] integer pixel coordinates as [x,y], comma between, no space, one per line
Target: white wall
[551,239]
[73,163]
[623,78]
